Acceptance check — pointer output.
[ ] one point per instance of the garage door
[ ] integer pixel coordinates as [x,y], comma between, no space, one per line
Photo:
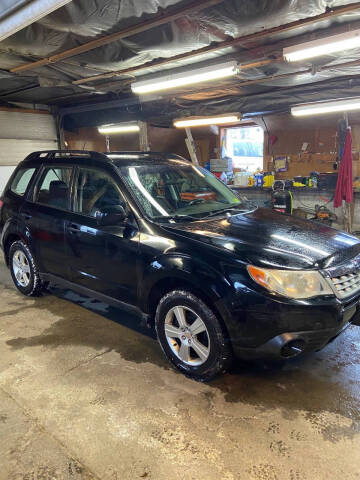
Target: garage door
[20,134]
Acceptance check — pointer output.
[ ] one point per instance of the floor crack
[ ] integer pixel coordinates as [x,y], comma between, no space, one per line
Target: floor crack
[85,362]
[40,427]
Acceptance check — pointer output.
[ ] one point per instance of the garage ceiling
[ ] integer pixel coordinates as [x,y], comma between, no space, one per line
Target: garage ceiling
[82,57]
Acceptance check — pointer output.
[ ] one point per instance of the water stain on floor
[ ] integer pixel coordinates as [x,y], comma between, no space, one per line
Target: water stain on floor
[318,382]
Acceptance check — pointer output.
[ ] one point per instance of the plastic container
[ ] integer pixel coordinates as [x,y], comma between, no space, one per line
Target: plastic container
[269,179]
[259,180]
[241,179]
[282,201]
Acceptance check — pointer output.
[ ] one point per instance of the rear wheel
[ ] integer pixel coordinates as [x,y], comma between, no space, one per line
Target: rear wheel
[191,336]
[23,270]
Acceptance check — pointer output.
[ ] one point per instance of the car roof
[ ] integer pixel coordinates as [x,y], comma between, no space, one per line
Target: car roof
[117,158]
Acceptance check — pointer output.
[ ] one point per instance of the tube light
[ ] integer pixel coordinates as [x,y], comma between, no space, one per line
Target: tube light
[201,75]
[323,46]
[343,105]
[119,128]
[202,121]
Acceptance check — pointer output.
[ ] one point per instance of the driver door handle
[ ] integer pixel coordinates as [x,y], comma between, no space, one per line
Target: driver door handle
[26,215]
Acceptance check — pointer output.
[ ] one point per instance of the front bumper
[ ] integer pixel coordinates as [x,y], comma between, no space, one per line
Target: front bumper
[268,327]
[292,344]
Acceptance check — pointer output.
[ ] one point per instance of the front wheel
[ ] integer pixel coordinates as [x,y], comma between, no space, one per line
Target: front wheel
[191,336]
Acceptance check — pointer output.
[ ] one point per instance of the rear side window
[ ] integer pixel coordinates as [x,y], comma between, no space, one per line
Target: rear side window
[54,187]
[22,180]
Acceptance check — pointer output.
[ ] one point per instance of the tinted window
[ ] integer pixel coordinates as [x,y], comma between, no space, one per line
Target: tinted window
[54,187]
[22,180]
[96,191]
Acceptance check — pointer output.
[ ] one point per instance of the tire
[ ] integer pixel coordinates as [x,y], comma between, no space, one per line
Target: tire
[19,253]
[199,350]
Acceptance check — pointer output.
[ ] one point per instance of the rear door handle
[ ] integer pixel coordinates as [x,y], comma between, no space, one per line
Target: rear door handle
[73,228]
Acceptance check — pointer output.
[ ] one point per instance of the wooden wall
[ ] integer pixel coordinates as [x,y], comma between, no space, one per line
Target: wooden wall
[319,132]
[160,140]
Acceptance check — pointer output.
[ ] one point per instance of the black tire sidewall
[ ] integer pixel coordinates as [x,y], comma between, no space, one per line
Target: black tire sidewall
[213,364]
[31,288]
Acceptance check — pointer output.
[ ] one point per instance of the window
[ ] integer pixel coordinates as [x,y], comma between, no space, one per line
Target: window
[22,180]
[96,191]
[165,190]
[54,187]
[245,145]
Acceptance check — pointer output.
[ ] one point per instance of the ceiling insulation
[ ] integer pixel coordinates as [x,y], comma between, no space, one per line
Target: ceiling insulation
[269,86]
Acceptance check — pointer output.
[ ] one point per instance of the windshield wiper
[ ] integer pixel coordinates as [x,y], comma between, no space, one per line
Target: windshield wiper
[223,210]
[176,217]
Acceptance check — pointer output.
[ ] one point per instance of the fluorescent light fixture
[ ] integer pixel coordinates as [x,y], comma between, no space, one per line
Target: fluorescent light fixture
[342,105]
[202,121]
[131,127]
[200,75]
[323,46]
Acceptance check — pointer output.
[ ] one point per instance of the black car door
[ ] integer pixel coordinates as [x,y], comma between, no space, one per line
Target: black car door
[44,214]
[101,258]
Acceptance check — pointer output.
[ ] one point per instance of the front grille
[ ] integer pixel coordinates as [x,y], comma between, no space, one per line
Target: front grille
[346,284]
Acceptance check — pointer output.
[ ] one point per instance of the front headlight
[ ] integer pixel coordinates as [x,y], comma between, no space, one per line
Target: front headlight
[292,284]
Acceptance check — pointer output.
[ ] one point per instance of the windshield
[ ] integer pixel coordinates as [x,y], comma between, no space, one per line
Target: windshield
[165,191]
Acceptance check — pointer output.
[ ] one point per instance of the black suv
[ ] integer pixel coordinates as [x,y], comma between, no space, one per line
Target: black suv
[167,239]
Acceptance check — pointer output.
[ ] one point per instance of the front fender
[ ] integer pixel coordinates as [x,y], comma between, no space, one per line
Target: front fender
[204,277]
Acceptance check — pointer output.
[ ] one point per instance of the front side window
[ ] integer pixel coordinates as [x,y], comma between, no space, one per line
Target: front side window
[96,191]
[22,180]
[54,187]
[165,190]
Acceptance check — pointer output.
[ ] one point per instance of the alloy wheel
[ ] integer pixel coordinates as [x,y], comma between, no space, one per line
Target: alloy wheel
[187,335]
[21,268]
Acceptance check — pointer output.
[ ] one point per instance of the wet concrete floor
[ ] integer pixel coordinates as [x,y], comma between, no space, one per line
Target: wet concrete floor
[85,393]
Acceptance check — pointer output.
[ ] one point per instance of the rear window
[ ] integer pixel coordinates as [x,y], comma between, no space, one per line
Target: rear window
[21,180]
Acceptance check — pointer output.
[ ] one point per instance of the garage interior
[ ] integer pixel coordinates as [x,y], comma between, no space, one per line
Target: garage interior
[85,390]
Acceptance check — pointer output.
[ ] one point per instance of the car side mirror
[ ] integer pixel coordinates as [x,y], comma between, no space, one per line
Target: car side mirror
[110,215]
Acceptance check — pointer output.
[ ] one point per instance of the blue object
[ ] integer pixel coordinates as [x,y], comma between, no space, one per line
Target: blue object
[259,180]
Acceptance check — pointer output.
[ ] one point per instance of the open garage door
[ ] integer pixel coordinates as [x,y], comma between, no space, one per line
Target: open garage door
[20,134]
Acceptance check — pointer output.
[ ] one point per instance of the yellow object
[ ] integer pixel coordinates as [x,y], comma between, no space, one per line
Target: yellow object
[251,181]
[269,180]
[356,183]
[298,184]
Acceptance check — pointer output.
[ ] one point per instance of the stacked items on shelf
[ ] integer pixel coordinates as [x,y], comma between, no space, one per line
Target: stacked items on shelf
[222,168]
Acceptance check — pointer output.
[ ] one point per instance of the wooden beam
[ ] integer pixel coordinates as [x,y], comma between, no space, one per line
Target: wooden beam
[160,19]
[143,137]
[189,141]
[227,43]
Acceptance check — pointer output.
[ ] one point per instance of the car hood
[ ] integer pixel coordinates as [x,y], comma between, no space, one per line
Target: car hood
[266,238]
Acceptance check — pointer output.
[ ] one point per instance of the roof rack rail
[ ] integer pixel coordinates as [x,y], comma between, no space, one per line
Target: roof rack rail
[51,154]
[145,154]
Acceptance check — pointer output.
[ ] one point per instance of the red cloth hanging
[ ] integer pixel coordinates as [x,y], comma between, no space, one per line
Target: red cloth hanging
[344,185]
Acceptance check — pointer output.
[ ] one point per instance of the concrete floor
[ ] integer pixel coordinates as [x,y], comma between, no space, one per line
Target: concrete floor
[84,396]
